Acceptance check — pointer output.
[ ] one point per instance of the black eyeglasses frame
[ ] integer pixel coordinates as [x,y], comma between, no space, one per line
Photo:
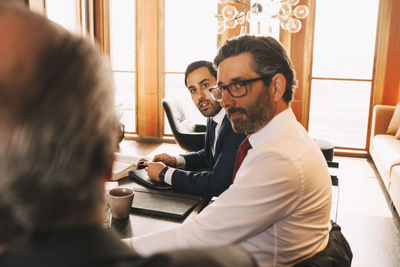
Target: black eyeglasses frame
[244,84]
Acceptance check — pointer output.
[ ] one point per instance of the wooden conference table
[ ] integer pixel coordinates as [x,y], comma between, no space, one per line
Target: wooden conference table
[137,224]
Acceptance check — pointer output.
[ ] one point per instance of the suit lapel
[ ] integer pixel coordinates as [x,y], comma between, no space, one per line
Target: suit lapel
[207,148]
[225,126]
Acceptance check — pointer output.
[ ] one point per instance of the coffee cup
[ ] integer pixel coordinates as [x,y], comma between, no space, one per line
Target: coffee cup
[120,202]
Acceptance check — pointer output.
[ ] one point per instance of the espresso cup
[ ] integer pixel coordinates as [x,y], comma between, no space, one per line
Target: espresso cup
[120,202]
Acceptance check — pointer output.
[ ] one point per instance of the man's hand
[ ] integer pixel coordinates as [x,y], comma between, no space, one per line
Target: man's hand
[153,170]
[166,159]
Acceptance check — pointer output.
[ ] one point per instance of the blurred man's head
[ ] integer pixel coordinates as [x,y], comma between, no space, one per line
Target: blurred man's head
[256,81]
[57,125]
[200,76]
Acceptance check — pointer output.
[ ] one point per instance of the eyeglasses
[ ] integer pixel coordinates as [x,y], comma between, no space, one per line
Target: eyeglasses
[236,88]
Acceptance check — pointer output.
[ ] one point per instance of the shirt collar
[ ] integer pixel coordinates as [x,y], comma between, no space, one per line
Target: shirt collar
[268,131]
[219,117]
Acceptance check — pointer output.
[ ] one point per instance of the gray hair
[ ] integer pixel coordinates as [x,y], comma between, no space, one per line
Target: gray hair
[57,135]
[269,58]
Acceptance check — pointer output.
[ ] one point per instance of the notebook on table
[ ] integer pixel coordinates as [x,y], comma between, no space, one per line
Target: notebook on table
[123,164]
[140,176]
[166,204]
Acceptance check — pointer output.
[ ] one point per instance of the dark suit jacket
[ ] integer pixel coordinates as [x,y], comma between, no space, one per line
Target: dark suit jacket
[94,246]
[217,176]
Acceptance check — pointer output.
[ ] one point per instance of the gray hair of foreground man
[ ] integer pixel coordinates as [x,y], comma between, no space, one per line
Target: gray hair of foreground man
[56,128]
[269,58]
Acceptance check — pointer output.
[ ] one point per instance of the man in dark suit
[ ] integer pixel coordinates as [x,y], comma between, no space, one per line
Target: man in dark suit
[209,171]
[57,141]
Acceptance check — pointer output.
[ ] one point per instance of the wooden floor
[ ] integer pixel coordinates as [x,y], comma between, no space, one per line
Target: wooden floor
[364,211]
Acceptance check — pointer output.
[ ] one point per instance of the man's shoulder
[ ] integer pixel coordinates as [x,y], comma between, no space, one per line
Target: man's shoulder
[86,246]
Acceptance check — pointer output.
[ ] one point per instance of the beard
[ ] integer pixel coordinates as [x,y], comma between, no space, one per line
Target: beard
[212,110]
[256,116]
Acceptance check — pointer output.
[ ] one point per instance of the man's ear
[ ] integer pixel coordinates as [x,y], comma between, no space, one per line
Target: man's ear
[278,83]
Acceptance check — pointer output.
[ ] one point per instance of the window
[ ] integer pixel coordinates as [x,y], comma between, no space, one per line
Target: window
[343,59]
[198,42]
[70,14]
[190,35]
[122,55]
[65,13]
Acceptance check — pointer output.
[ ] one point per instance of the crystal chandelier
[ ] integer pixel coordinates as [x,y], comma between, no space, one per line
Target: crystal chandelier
[287,12]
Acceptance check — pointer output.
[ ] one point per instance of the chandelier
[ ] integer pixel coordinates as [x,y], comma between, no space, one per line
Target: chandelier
[287,13]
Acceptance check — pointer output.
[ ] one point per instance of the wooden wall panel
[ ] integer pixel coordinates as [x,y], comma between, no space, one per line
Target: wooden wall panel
[299,47]
[101,25]
[296,106]
[391,95]
[147,69]
[386,83]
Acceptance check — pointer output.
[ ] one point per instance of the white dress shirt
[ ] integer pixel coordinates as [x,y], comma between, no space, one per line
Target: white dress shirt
[278,207]
[180,160]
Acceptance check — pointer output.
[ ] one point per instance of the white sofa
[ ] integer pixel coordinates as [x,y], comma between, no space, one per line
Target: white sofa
[385,152]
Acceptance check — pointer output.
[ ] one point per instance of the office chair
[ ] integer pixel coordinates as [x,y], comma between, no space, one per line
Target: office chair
[188,135]
[336,254]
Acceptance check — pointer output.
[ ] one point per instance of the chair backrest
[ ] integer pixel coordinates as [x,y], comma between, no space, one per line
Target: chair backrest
[182,128]
[174,112]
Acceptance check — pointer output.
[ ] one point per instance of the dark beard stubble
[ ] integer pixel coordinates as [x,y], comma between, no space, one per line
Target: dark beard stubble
[257,116]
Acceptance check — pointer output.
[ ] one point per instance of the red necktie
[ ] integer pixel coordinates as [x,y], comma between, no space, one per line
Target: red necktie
[240,155]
